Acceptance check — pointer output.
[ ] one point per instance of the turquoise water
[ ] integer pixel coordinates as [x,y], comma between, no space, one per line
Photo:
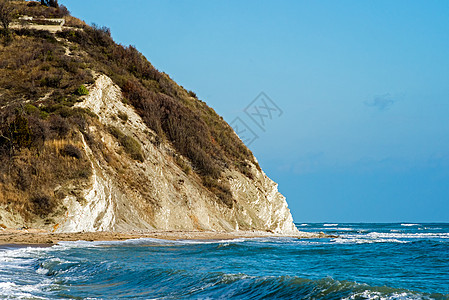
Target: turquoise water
[366,261]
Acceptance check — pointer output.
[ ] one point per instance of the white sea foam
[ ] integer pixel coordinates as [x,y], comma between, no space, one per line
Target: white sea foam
[154,241]
[365,241]
[26,291]
[379,296]
[386,237]
[150,241]
[330,225]
[408,235]
[410,224]
[306,242]
[42,271]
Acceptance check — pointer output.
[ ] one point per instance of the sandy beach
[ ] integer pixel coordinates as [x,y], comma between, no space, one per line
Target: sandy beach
[37,236]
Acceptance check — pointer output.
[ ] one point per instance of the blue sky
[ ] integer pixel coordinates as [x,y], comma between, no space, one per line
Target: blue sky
[363,87]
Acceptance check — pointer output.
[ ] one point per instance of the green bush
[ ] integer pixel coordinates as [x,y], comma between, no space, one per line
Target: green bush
[21,132]
[123,116]
[192,94]
[131,146]
[117,133]
[51,81]
[82,90]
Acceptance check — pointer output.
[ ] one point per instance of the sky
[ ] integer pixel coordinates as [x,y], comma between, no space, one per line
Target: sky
[347,102]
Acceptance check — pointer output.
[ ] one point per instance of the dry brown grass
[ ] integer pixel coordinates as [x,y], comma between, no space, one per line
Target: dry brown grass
[32,67]
[74,22]
[29,180]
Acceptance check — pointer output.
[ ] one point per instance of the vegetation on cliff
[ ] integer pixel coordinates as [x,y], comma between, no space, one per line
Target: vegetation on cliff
[42,76]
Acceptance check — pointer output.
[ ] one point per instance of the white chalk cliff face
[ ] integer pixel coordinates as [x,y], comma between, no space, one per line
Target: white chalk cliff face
[128,195]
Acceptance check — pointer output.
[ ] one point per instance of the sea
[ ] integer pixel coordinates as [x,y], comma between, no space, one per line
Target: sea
[364,261]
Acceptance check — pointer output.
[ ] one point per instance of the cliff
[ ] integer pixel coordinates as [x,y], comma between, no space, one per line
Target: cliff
[94,138]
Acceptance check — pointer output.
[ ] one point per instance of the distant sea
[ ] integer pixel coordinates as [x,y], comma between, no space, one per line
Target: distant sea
[366,261]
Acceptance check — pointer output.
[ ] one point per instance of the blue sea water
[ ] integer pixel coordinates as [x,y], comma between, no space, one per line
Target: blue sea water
[366,261]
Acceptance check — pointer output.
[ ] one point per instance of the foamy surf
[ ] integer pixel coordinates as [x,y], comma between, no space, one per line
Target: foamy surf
[370,261]
[154,241]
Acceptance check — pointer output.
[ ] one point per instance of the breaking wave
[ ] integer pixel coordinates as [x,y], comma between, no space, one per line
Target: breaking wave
[365,261]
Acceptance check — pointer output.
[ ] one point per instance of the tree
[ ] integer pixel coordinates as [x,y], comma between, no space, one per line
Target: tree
[50,3]
[6,10]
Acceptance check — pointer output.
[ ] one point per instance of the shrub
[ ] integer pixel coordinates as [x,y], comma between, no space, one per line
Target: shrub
[192,94]
[6,11]
[35,111]
[6,37]
[63,11]
[42,204]
[133,148]
[85,172]
[24,179]
[245,169]
[40,131]
[123,116]
[59,125]
[117,133]
[220,189]
[31,109]
[82,90]
[20,132]
[51,81]
[72,151]
[50,3]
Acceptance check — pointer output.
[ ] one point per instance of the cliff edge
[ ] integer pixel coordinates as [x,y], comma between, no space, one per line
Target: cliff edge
[94,138]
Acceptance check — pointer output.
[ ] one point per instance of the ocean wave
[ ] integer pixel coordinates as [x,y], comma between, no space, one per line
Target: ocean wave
[242,286]
[11,290]
[358,240]
[235,268]
[388,237]
[144,242]
[379,296]
[185,284]
[427,235]
[330,225]
[410,224]
[162,242]
[344,229]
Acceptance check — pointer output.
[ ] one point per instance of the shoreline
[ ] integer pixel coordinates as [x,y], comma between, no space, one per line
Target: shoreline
[41,237]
